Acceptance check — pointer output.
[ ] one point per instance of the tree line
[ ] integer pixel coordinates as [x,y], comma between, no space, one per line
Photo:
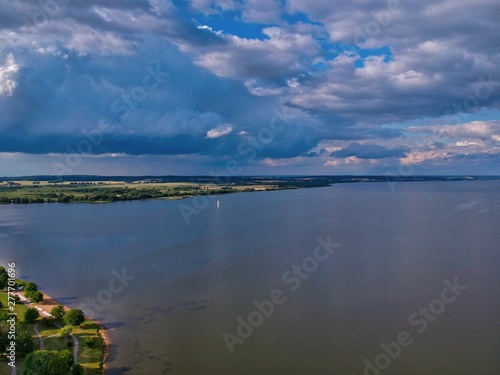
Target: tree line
[115,195]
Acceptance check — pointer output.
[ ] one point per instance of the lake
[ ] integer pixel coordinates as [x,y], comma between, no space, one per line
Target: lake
[348,279]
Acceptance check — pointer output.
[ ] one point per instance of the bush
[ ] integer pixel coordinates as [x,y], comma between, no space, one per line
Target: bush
[58,312]
[4,276]
[48,362]
[34,295]
[24,341]
[47,322]
[30,287]
[77,369]
[74,317]
[90,342]
[4,315]
[65,331]
[31,315]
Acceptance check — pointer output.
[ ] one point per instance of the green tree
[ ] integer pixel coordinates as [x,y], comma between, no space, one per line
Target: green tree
[65,331]
[47,322]
[48,362]
[31,315]
[90,342]
[67,357]
[4,278]
[34,296]
[58,312]
[3,315]
[30,287]
[74,317]
[77,369]
[24,341]
[37,296]
[4,340]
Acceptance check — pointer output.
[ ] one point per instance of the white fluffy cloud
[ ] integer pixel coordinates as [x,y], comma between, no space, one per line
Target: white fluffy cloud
[219,131]
[476,129]
[7,76]
[284,52]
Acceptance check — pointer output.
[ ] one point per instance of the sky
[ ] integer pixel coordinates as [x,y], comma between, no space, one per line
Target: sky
[249,87]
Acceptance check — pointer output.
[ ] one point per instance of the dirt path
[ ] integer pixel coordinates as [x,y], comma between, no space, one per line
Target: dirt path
[44,308]
[76,344]
[42,344]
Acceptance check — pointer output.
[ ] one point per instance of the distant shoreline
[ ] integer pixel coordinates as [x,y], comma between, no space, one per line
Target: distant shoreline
[82,189]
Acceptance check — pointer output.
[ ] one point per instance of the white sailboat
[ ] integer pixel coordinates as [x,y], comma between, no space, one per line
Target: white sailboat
[218,203]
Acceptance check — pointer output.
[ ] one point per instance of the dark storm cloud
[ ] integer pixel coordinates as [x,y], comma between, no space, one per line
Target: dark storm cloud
[353,73]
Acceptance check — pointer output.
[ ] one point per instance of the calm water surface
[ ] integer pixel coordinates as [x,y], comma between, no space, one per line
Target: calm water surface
[192,281]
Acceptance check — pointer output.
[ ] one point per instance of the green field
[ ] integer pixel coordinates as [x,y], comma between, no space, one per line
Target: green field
[50,189]
[95,192]
[90,358]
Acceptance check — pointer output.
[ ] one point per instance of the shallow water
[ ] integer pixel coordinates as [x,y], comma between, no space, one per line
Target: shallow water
[192,281]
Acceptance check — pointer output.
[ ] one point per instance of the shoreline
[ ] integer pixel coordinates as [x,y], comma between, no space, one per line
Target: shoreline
[106,342]
[54,193]
[49,302]
[168,198]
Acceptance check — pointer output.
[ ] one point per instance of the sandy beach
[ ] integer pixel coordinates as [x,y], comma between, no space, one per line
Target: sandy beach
[50,302]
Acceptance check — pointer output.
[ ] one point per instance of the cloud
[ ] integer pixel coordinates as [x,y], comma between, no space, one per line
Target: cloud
[449,143]
[284,52]
[373,84]
[7,76]
[368,151]
[87,41]
[210,7]
[220,131]
[475,129]
[261,11]
[429,70]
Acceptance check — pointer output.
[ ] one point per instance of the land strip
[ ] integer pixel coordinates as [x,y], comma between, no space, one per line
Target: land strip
[104,189]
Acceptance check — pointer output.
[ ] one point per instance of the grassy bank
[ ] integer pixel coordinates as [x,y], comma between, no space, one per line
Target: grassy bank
[92,347]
